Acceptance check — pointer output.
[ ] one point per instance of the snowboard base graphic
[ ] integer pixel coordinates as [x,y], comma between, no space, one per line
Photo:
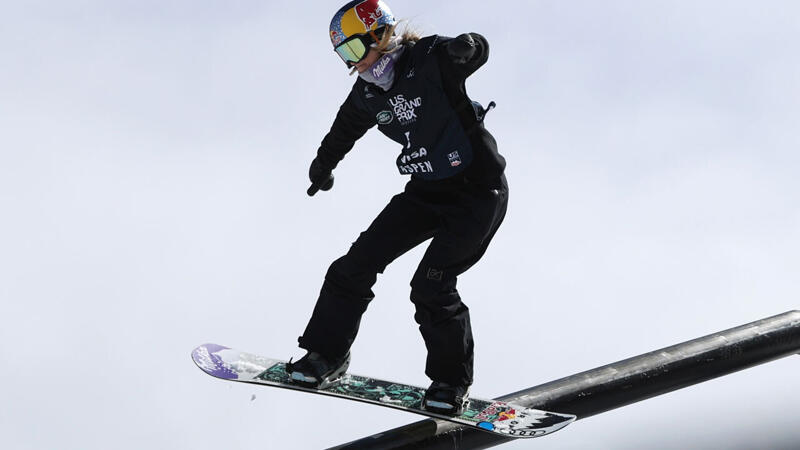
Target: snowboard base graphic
[488,415]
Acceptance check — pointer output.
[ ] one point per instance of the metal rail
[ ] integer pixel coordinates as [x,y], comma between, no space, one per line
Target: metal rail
[615,385]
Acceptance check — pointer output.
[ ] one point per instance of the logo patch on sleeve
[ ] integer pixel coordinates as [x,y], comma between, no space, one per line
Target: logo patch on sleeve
[384,117]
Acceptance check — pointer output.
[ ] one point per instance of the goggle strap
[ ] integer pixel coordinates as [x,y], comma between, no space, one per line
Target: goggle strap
[374,36]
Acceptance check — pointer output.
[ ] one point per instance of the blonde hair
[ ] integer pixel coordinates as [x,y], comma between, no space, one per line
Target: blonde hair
[408,35]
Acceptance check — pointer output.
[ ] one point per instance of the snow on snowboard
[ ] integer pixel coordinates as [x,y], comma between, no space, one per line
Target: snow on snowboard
[488,415]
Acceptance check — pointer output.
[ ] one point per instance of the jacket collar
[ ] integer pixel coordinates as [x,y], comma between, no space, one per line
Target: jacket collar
[400,71]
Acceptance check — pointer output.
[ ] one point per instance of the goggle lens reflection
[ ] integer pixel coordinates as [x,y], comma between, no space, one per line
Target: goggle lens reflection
[352,51]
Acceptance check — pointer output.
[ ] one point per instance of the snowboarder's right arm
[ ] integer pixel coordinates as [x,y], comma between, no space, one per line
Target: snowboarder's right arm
[351,123]
[467,52]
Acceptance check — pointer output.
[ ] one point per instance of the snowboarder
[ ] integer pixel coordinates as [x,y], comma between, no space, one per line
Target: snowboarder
[412,88]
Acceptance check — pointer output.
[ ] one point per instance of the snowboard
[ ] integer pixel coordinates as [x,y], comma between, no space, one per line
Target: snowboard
[492,416]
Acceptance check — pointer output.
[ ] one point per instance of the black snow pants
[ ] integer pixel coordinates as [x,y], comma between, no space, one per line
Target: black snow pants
[461,218]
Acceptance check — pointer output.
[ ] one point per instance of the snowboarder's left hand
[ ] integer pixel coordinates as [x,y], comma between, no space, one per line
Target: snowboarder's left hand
[321,178]
[462,48]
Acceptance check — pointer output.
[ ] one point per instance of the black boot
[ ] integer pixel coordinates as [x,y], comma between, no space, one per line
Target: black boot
[316,371]
[446,399]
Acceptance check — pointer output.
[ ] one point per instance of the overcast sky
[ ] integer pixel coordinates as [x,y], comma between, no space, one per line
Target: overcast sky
[153,168]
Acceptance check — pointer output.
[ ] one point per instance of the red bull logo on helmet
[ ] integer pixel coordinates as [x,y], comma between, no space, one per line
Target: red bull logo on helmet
[369,12]
[337,37]
[359,17]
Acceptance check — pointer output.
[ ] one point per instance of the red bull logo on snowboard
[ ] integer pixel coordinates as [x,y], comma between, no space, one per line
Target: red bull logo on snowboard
[497,412]
[507,415]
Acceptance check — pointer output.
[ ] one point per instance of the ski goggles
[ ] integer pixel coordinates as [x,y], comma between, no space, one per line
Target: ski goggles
[355,49]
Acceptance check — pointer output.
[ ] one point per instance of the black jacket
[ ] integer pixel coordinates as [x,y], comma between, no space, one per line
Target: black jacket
[428,112]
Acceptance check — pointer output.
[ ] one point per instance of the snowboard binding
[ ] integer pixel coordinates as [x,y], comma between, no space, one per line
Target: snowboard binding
[446,399]
[315,371]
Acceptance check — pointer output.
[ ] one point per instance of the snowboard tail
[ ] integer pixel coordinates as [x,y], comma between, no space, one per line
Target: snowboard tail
[488,415]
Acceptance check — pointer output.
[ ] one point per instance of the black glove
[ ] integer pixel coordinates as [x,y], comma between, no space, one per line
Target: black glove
[462,48]
[321,178]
